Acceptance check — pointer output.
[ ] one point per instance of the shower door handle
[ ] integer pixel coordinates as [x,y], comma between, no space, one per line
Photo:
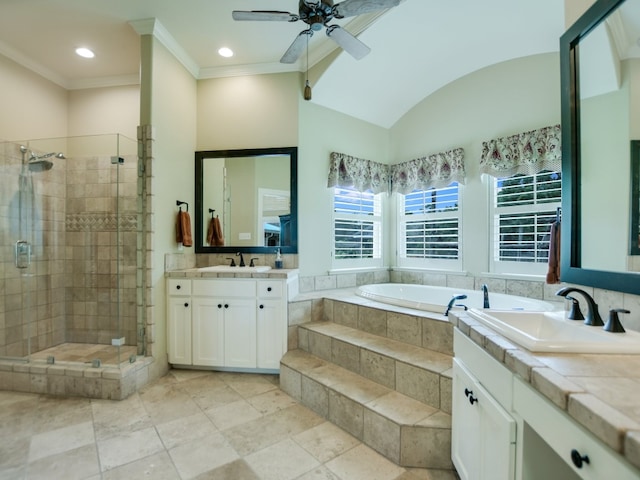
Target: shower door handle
[23,254]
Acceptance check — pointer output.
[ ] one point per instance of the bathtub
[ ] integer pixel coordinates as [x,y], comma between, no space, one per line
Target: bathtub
[435,299]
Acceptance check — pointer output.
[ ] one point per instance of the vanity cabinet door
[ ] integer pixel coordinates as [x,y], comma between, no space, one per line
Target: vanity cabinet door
[208,331]
[179,330]
[240,332]
[272,333]
[483,433]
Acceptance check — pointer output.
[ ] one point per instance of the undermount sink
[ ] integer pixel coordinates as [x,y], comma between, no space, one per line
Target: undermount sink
[551,332]
[229,269]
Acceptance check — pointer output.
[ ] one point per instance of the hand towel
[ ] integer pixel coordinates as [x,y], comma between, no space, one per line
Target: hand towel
[183,229]
[218,237]
[553,273]
[210,231]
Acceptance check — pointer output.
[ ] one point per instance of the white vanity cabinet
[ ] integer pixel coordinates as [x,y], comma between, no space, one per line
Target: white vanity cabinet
[483,437]
[230,323]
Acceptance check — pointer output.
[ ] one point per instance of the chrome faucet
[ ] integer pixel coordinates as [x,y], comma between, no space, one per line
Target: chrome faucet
[485,296]
[593,315]
[242,264]
[452,301]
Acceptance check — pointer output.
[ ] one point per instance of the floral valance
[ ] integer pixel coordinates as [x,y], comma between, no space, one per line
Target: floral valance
[357,173]
[433,171]
[528,153]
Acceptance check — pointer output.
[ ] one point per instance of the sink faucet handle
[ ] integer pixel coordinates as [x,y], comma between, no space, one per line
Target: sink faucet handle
[233,262]
[574,313]
[613,324]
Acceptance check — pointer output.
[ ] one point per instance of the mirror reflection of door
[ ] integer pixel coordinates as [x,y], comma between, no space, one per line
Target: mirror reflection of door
[272,204]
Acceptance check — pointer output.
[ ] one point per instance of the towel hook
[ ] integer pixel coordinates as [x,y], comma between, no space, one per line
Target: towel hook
[179,203]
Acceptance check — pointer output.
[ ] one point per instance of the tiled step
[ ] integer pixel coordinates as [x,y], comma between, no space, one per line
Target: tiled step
[416,372]
[408,432]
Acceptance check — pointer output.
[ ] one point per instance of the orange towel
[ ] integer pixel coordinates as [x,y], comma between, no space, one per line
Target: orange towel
[553,274]
[217,236]
[183,229]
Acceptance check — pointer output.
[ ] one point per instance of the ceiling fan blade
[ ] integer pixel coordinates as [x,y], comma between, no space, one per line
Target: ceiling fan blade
[350,8]
[264,16]
[295,49]
[348,42]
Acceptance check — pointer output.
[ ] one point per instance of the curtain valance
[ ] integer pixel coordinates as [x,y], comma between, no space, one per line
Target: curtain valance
[433,171]
[357,173]
[528,153]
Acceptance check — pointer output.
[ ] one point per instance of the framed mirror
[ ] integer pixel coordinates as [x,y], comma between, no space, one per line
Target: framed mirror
[599,58]
[246,200]
[634,220]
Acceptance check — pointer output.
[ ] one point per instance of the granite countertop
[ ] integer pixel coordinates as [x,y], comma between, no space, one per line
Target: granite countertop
[285,273]
[601,392]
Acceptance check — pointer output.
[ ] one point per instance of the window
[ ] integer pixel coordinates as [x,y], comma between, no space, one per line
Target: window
[524,208]
[357,220]
[429,233]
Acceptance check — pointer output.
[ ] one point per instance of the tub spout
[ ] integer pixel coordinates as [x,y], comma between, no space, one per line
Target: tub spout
[485,296]
[452,301]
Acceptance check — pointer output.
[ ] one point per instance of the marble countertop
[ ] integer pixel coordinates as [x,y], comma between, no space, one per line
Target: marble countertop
[601,392]
[285,273]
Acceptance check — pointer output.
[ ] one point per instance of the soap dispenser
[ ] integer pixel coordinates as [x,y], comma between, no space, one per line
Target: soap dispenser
[278,259]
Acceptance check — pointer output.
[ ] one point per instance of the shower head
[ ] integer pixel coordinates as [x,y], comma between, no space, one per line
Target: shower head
[39,165]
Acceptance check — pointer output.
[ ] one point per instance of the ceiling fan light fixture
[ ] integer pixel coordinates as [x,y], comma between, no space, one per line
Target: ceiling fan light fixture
[225,52]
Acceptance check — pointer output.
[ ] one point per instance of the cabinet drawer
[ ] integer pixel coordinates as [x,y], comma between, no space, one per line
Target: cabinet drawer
[270,289]
[564,435]
[179,286]
[225,288]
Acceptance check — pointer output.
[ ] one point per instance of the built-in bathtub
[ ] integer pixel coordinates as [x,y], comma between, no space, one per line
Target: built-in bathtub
[435,299]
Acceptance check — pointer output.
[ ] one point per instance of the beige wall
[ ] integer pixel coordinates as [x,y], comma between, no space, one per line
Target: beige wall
[256,111]
[173,115]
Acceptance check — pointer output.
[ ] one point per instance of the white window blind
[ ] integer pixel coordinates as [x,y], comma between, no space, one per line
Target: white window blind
[430,227]
[357,225]
[524,207]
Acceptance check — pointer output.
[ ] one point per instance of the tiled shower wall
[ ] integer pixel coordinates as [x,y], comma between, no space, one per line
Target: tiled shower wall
[69,292]
[95,190]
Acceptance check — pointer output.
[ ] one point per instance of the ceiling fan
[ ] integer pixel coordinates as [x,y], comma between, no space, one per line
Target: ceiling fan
[317,14]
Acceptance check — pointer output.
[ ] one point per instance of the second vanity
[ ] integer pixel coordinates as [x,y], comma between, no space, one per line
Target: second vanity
[525,416]
[228,321]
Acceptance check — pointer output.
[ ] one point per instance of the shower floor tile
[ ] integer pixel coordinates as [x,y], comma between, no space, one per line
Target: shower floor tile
[86,353]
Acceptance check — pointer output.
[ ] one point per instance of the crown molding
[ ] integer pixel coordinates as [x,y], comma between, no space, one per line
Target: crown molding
[152,26]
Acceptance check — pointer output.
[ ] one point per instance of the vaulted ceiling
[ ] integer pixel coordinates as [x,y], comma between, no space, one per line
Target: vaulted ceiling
[416,47]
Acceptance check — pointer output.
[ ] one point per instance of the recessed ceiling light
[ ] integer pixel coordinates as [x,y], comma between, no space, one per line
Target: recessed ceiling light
[225,52]
[85,52]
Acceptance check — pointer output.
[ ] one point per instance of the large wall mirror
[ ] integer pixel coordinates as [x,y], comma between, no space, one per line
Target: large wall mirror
[246,200]
[600,80]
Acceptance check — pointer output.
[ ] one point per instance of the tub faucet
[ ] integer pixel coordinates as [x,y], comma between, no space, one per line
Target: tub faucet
[485,296]
[242,264]
[593,316]
[452,301]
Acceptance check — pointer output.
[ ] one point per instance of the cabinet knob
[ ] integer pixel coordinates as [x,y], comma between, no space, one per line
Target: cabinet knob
[261,306]
[186,304]
[577,459]
[268,289]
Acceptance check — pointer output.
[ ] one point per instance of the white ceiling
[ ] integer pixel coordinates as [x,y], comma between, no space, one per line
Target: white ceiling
[417,47]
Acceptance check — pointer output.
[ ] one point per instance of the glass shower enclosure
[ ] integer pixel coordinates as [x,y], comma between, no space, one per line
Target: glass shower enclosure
[70,253]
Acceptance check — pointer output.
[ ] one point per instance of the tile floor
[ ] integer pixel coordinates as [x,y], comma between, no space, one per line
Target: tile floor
[86,353]
[187,425]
